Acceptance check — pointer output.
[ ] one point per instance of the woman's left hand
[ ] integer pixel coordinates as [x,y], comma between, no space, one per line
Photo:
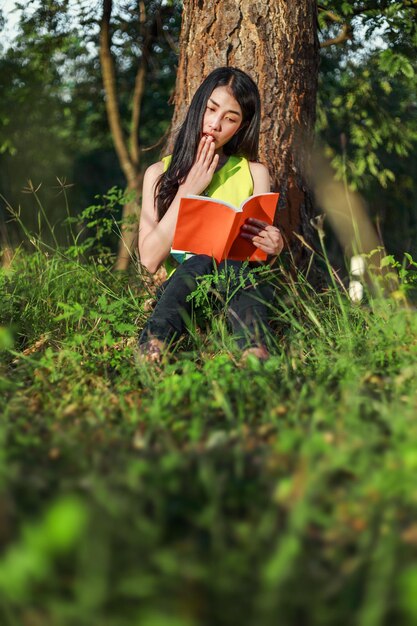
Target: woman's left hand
[264,236]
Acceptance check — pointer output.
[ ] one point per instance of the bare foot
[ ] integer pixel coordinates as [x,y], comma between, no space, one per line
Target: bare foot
[260,352]
[151,351]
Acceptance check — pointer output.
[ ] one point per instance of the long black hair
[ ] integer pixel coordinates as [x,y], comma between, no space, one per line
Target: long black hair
[244,143]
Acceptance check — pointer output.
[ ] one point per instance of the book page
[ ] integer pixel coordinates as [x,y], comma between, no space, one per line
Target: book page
[217,201]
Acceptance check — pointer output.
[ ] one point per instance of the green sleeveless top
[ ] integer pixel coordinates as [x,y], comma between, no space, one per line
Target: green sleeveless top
[232,183]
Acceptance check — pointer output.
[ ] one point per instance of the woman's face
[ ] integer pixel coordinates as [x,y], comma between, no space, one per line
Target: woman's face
[223,116]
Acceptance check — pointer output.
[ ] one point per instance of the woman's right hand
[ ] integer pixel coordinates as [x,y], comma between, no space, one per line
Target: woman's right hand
[200,175]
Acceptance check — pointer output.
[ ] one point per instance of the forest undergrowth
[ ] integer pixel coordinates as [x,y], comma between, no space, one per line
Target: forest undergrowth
[204,491]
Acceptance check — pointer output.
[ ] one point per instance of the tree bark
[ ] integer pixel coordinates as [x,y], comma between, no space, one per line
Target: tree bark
[277,44]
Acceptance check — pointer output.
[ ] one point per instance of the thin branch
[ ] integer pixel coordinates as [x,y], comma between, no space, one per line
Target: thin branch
[136,109]
[406,4]
[331,15]
[166,35]
[158,143]
[139,90]
[344,34]
[377,5]
[346,30]
[171,42]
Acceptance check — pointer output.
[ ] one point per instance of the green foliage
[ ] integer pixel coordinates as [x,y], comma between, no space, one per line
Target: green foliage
[98,224]
[203,491]
[366,106]
[406,271]
[30,560]
[50,79]
[224,285]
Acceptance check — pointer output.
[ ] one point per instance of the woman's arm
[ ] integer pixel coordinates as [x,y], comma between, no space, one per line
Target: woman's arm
[155,237]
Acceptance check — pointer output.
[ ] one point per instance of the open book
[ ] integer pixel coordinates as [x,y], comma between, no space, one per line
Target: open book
[210,226]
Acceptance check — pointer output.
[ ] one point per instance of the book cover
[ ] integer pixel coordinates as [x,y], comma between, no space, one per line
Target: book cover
[210,226]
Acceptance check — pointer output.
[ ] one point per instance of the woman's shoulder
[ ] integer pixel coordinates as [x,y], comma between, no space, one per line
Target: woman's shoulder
[154,171]
[159,167]
[258,168]
[151,176]
[260,174]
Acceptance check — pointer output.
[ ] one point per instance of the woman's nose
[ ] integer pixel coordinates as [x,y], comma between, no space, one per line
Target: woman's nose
[215,122]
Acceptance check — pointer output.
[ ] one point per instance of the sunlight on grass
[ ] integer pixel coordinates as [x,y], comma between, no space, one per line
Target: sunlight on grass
[203,491]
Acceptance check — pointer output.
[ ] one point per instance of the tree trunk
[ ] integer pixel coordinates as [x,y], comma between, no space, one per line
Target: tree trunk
[277,44]
[128,156]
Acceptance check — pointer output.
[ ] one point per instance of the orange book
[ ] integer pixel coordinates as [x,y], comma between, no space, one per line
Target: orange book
[210,226]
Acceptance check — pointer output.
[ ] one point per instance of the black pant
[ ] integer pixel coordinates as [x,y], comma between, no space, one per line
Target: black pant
[247,306]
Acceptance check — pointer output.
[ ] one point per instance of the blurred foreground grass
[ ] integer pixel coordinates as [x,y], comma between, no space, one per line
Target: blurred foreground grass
[203,493]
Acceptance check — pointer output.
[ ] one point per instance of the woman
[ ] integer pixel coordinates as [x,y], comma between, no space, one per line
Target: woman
[215,153]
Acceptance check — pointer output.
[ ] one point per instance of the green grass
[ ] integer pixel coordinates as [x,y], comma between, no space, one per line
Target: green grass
[203,492]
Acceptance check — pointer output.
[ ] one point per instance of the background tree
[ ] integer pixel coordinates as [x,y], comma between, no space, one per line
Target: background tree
[53,119]
[149,32]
